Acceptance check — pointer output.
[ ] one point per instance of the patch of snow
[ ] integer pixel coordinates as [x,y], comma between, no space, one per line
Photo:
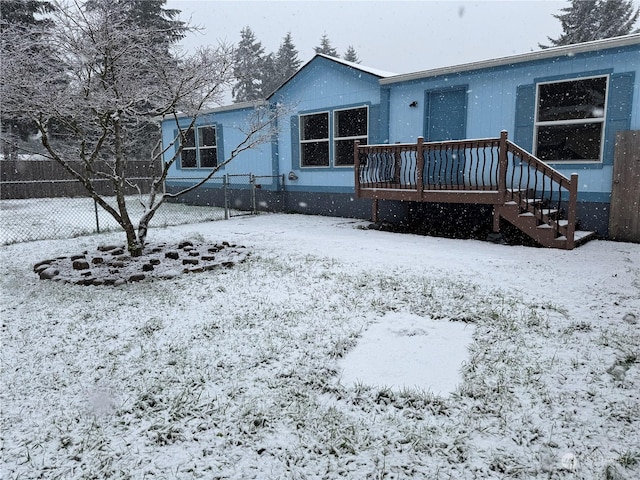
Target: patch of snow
[403,350]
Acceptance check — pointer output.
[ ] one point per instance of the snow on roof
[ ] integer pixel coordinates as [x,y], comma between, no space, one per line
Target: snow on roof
[372,71]
[566,50]
[357,66]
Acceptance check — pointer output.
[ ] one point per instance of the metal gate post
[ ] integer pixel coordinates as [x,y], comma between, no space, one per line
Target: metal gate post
[225,189]
[95,208]
[252,181]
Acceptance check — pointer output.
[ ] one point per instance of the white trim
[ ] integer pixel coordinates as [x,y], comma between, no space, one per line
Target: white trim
[568,50]
[356,137]
[301,141]
[197,147]
[578,121]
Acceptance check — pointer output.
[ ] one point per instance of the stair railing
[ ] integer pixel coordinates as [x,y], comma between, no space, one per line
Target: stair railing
[541,190]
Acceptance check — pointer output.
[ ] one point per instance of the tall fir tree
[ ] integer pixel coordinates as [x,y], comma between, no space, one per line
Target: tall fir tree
[20,15]
[270,75]
[150,14]
[287,58]
[618,18]
[249,63]
[351,55]
[587,20]
[325,47]
[23,13]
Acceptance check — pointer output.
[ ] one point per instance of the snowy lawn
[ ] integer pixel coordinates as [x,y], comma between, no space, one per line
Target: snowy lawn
[258,371]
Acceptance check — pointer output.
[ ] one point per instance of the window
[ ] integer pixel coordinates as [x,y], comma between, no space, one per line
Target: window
[314,140]
[570,119]
[205,155]
[349,126]
[188,156]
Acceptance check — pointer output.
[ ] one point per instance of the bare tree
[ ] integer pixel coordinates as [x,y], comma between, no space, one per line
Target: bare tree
[90,80]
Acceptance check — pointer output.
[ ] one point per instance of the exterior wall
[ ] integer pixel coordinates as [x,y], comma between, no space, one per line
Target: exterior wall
[229,124]
[491,105]
[323,86]
[498,98]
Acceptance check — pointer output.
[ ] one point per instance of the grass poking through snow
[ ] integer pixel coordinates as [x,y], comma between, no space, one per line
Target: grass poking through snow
[234,374]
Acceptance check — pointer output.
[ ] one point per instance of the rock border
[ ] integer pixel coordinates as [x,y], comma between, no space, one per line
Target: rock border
[113,266]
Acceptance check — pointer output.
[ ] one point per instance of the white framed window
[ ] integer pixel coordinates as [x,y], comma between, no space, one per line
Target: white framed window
[207,147]
[199,148]
[570,119]
[314,140]
[349,125]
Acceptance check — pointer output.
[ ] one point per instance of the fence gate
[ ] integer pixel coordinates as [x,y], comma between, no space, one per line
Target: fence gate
[239,194]
[624,217]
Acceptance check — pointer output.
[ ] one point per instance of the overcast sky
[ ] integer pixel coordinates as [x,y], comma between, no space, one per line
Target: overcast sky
[395,36]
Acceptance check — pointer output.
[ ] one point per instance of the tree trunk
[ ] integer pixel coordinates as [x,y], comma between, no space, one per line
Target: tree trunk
[134,245]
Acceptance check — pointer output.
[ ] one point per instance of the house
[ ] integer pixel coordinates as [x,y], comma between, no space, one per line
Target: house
[476,144]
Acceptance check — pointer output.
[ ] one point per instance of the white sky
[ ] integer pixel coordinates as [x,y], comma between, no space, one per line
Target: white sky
[396,36]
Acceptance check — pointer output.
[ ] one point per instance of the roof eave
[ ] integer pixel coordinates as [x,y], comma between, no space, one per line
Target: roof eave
[593,46]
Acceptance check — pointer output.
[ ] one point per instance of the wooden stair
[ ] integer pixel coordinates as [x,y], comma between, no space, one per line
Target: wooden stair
[541,224]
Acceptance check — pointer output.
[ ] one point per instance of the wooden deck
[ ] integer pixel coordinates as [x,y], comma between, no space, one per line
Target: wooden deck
[522,188]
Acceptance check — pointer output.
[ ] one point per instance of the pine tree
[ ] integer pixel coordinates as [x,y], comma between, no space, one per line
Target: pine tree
[587,20]
[270,75]
[23,13]
[20,15]
[325,47]
[248,67]
[618,18]
[351,55]
[288,62]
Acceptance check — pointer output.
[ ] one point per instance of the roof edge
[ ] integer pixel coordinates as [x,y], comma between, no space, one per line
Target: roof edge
[223,108]
[593,46]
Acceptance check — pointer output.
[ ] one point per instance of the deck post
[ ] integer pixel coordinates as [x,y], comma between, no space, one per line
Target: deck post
[502,168]
[502,180]
[420,167]
[356,167]
[571,211]
[374,210]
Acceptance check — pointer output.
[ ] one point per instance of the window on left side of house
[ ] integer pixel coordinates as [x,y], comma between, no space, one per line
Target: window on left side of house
[200,148]
[314,140]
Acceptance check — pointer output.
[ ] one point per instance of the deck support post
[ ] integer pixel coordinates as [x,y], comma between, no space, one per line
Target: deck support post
[571,211]
[374,210]
[356,167]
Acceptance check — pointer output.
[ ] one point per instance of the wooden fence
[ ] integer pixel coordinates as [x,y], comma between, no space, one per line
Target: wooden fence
[42,178]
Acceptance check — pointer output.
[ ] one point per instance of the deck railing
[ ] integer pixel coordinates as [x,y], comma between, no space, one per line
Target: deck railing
[484,171]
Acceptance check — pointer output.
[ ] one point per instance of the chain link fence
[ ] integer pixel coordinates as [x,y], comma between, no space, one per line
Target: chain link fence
[28,219]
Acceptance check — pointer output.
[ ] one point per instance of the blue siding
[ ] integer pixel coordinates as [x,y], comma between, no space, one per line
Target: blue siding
[503,98]
[324,85]
[498,98]
[229,124]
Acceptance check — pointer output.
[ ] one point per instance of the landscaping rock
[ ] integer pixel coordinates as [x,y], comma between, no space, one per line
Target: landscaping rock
[80,265]
[110,266]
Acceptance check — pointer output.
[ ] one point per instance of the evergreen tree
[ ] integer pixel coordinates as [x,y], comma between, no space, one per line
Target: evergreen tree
[618,18]
[280,67]
[23,13]
[248,67]
[587,20]
[325,47]
[288,62]
[270,75]
[351,55]
[20,15]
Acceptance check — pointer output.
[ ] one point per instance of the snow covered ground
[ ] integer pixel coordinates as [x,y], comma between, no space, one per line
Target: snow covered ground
[258,371]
